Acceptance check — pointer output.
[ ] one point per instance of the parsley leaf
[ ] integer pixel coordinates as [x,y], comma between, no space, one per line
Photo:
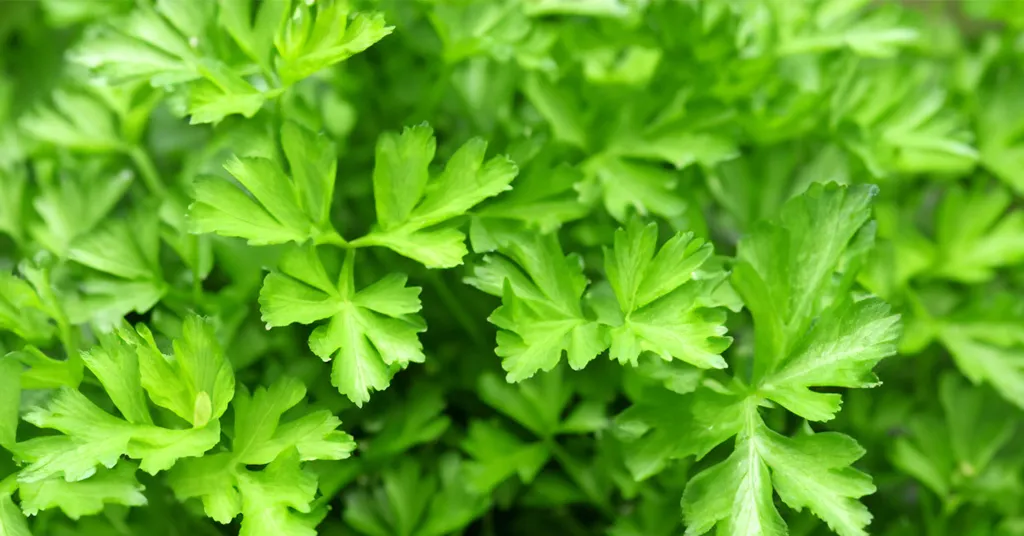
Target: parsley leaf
[414,210]
[372,331]
[542,312]
[273,208]
[659,298]
[267,499]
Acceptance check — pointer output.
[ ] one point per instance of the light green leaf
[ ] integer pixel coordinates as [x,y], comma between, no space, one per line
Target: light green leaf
[784,268]
[372,332]
[228,488]
[558,108]
[541,314]
[636,187]
[409,202]
[128,252]
[94,438]
[197,383]
[77,120]
[838,351]
[659,298]
[21,310]
[814,471]
[271,497]
[736,495]
[84,498]
[254,37]
[273,208]
[811,471]
[260,436]
[313,163]
[12,520]
[116,366]
[10,400]
[44,372]
[311,40]
[212,479]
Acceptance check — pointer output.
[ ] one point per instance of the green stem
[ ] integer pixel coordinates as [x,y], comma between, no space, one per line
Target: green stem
[332,237]
[197,281]
[147,169]
[68,337]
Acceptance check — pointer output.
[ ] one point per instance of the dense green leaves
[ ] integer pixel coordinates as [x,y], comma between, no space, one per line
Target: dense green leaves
[693,235]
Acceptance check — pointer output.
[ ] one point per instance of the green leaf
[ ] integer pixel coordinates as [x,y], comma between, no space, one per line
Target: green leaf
[785,268]
[12,202]
[999,128]
[977,233]
[811,471]
[418,420]
[93,438]
[10,400]
[958,454]
[310,41]
[592,8]
[558,108]
[170,47]
[372,332]
[73,206]
[497,455]
[77,120]
[254,36]
[656,435]
[544,198]
[12,521]
[840,350]
[197,383]
[542,314]
[980,360]
[264,498]
[128,252]
[409,203]
[84,498]
[536,404]
[116,365]
[411,502]
[22,312]
[636,187]
[273,208]
[271,497]
[659,297]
